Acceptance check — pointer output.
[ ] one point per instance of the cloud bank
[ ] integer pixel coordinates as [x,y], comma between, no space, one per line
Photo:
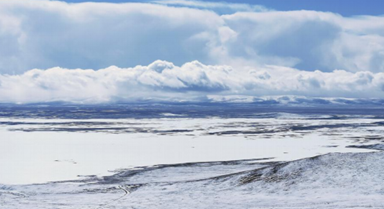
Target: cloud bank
[247,51]
[44,34]
[193,81]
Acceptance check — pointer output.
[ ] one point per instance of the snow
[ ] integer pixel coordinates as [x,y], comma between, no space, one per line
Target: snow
[38,151]
[292,161]
[336,180]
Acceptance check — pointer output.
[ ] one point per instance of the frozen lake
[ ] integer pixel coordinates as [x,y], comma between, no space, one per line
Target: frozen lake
[119,154]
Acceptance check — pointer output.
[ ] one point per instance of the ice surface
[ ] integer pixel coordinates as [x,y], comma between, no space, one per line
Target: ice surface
[41,150]
[118,158]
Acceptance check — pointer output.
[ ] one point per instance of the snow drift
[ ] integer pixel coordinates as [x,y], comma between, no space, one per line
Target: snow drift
[329,181]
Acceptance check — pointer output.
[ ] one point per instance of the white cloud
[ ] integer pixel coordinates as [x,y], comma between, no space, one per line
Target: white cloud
[44,34]
[220,7]
[96,35]
[192,81]
[265,53]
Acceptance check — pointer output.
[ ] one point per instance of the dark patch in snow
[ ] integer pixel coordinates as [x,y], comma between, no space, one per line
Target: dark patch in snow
[372,146]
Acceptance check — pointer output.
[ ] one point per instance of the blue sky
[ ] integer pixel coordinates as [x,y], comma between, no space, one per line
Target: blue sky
[343,7]
[189,50]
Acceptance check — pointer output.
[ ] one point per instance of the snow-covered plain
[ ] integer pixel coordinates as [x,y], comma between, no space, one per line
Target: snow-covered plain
[288,161]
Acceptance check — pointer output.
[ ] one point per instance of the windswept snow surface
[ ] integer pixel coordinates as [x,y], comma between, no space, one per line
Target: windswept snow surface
[337,180]
[155,158]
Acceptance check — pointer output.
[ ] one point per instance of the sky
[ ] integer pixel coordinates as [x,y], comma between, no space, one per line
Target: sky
[179,50]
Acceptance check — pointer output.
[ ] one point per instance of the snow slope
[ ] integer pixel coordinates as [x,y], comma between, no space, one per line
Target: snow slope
[337,180]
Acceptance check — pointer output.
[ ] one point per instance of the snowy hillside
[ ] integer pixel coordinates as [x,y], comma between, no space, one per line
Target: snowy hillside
[337,180]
